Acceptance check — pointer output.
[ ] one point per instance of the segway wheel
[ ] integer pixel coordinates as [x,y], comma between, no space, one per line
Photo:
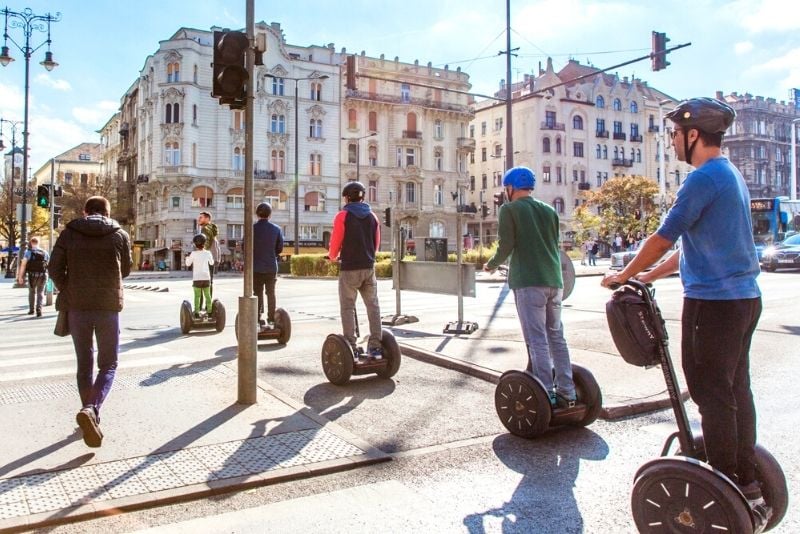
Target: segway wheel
[283,323]
[588,393]
[218,312]
[186,317]
[769,473]
[337,359]
[680,494]
[522,404]
[391,351]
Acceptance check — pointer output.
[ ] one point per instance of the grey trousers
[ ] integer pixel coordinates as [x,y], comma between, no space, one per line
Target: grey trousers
[361,281]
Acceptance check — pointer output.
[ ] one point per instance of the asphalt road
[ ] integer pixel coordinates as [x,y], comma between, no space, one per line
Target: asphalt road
[454,468]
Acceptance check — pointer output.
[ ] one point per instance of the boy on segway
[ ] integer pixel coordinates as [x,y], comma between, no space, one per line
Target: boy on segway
[201,261]
[355,238]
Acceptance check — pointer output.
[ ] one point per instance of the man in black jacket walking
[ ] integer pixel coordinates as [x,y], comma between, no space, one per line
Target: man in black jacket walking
[89,261]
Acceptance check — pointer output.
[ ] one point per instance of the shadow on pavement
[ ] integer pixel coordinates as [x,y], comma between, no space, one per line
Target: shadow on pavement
[544,500]
[41,453]
[286,370]
[184,369]
[328,400]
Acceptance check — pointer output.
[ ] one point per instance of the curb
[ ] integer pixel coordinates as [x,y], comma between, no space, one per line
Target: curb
[609,412]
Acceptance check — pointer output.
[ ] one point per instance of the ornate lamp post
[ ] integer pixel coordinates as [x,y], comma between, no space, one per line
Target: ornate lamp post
[12,232]
[28,21]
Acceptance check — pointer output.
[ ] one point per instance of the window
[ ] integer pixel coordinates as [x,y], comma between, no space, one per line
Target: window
[605,151]
[498,124]
[498,150]
[437,159]
[558,145]
[411,156]
[599,178]
[599,152]
[472,183]
[68,178]
[483,128]
[238,159]
[314,201]
[616,153]
[352,153]
[168,114]
[577,122]
[546,174]
[172,154]
[634,107]
[372,191]
[438,129]
[176,202]
[238,120]
[601,126]
[617,105]
[309,232]
[373,156]
[634,130]
[617,127]
[638,155]
[316,91]
[352,119]
[559,177]
[483,181]
[600,102]
[558,205]
[483,154]
[438,195]
[277,86]
[276,199]
[173,72]
[315,129]
[202,197]
[278,158]
[277,124]
[577,149]
[315,164]
[194,114]
[472,131]
[546,145]
[411,193]
[235,198]
[235,231]
[550,119]
[436,229]
[373,121]
[405,93]
[84,179]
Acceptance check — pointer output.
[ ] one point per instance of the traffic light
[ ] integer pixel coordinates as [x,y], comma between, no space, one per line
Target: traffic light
[658,57]
[43,196]
[351,72]
[387,217]
[498,199]
[230,74]
[56,216]
[484,210]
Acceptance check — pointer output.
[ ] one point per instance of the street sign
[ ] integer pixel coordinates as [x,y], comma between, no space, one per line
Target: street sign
[28,212]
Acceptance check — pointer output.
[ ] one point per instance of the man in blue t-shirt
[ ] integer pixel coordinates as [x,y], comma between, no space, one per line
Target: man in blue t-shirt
[722,302]
[267,246]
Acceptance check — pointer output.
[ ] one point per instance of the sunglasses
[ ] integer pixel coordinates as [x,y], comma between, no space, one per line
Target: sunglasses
[673,133]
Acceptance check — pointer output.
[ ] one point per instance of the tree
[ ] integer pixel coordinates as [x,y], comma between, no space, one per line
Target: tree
[75,196]
[627,205]
[585,223]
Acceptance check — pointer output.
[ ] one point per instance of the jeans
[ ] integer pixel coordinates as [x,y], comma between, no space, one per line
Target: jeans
[592,258]
[539,310]
[361,281]
[36,283]
[261,282]
[84,325]
[715,353]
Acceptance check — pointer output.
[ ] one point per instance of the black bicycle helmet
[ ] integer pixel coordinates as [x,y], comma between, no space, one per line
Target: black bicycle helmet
[199,240]
[264,210]
[354,192]
[706,114]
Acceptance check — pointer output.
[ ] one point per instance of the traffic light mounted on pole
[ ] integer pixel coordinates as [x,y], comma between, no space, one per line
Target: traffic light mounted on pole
[230,75]
[658,58]
[43,196]
[56,216]
[498,199]
[387,217]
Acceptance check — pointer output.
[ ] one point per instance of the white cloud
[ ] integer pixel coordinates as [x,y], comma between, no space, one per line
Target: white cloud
[784,69]
[11,101]
[743,47]
[51,136]
[97,115]
[758,16]
[57,84]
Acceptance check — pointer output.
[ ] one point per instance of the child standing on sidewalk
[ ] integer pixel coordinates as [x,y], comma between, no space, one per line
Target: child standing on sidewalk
[201,261]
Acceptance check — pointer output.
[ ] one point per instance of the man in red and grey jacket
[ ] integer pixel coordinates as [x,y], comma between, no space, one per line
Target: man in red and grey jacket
[355,239]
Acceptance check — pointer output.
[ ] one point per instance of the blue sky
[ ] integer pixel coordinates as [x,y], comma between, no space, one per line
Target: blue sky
[740,45]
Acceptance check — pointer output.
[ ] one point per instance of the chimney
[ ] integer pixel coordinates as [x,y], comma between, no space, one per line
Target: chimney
[719,95]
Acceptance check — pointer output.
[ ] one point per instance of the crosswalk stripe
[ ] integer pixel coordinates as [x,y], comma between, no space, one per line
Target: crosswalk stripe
[58,371]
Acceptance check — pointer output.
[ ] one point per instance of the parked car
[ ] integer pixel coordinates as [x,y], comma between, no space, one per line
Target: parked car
[784,255]
[620,259]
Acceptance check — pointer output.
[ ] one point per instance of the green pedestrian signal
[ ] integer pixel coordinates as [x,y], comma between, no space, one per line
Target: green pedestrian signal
[43,196]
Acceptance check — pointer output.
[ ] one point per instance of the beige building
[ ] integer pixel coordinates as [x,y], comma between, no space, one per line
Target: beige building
[574,136]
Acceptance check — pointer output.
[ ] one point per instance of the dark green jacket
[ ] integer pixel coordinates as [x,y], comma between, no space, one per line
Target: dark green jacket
[528,232]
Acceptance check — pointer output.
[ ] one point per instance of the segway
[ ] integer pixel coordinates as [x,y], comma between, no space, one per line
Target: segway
[215,319]
[281,330]
[681,492]
[340,362]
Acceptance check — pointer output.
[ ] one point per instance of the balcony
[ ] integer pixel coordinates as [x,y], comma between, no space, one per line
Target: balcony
[411,134]
[547,125]
[397,99]
[265,175]
[584,186]
[621,162]
[653,128]
[636,138]
[619,136]
[466,143]
[601,133]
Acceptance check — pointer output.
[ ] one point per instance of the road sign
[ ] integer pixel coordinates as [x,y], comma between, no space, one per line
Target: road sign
[28,212]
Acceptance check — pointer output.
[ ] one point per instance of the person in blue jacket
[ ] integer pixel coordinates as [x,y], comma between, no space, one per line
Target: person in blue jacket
[267,246]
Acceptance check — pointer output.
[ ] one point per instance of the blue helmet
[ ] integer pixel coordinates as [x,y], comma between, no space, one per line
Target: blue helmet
[519,178]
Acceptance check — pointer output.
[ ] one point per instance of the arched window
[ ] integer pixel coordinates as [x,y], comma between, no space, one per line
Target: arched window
[437,229]
[277,124]
[634,107]
[638,155]
[176,112]
[276,198]
[202,197]
[577,122]
[558,205]
[278,158]
[616,153]
[314,201]
[316,91]
[600,102]
[173,72]
[373,121]
[617,105]
[238,159]
[352,119]
[605,151]
[235,198]
[438,129]
[438,195]
[599,152]
[437,159]
[315,164]
[546,144]
[172,154]
[315,128]
[194,113]
[558,145]
[372,191]
[352,153]
[373,156]
[168,115]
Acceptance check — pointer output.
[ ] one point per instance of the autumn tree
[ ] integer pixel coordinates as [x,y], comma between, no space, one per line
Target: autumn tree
[75,196]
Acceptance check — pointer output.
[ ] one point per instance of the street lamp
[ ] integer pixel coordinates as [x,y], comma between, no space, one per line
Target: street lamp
[12,235]
[28,21]
[793,182]
[358,150]
[296,149]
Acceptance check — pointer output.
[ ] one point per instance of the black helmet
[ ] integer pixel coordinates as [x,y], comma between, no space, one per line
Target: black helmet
[707,114]
[264,210]
[199,240]
[354,191]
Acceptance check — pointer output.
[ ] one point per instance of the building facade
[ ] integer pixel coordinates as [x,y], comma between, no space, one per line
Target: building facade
[574,136]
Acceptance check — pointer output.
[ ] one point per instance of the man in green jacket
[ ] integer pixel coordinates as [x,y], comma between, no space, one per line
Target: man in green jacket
[528,232]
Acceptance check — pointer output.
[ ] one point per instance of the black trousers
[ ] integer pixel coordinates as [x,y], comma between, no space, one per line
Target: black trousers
[261,282]
[716,362]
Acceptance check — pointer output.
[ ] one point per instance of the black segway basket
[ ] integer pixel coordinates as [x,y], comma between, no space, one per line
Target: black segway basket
[683,492]
[339,363]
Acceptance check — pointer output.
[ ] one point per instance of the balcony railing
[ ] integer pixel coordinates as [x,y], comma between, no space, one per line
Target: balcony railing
[584,186]
[397,99]
[620,136]
[411,134]
[621,162]
[466,143]
[636,138]
[547,125]
[601,133]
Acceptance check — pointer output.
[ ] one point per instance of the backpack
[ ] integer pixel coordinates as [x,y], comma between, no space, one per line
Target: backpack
[595,248]
[37,262]
[636,326]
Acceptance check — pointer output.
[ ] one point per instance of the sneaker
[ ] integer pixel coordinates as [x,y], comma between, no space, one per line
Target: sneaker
[553,399]
[88,421]
[196,315]
[761,512]
[262,322]
[38,313]
[376,353]
[30,312]
[563,401]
